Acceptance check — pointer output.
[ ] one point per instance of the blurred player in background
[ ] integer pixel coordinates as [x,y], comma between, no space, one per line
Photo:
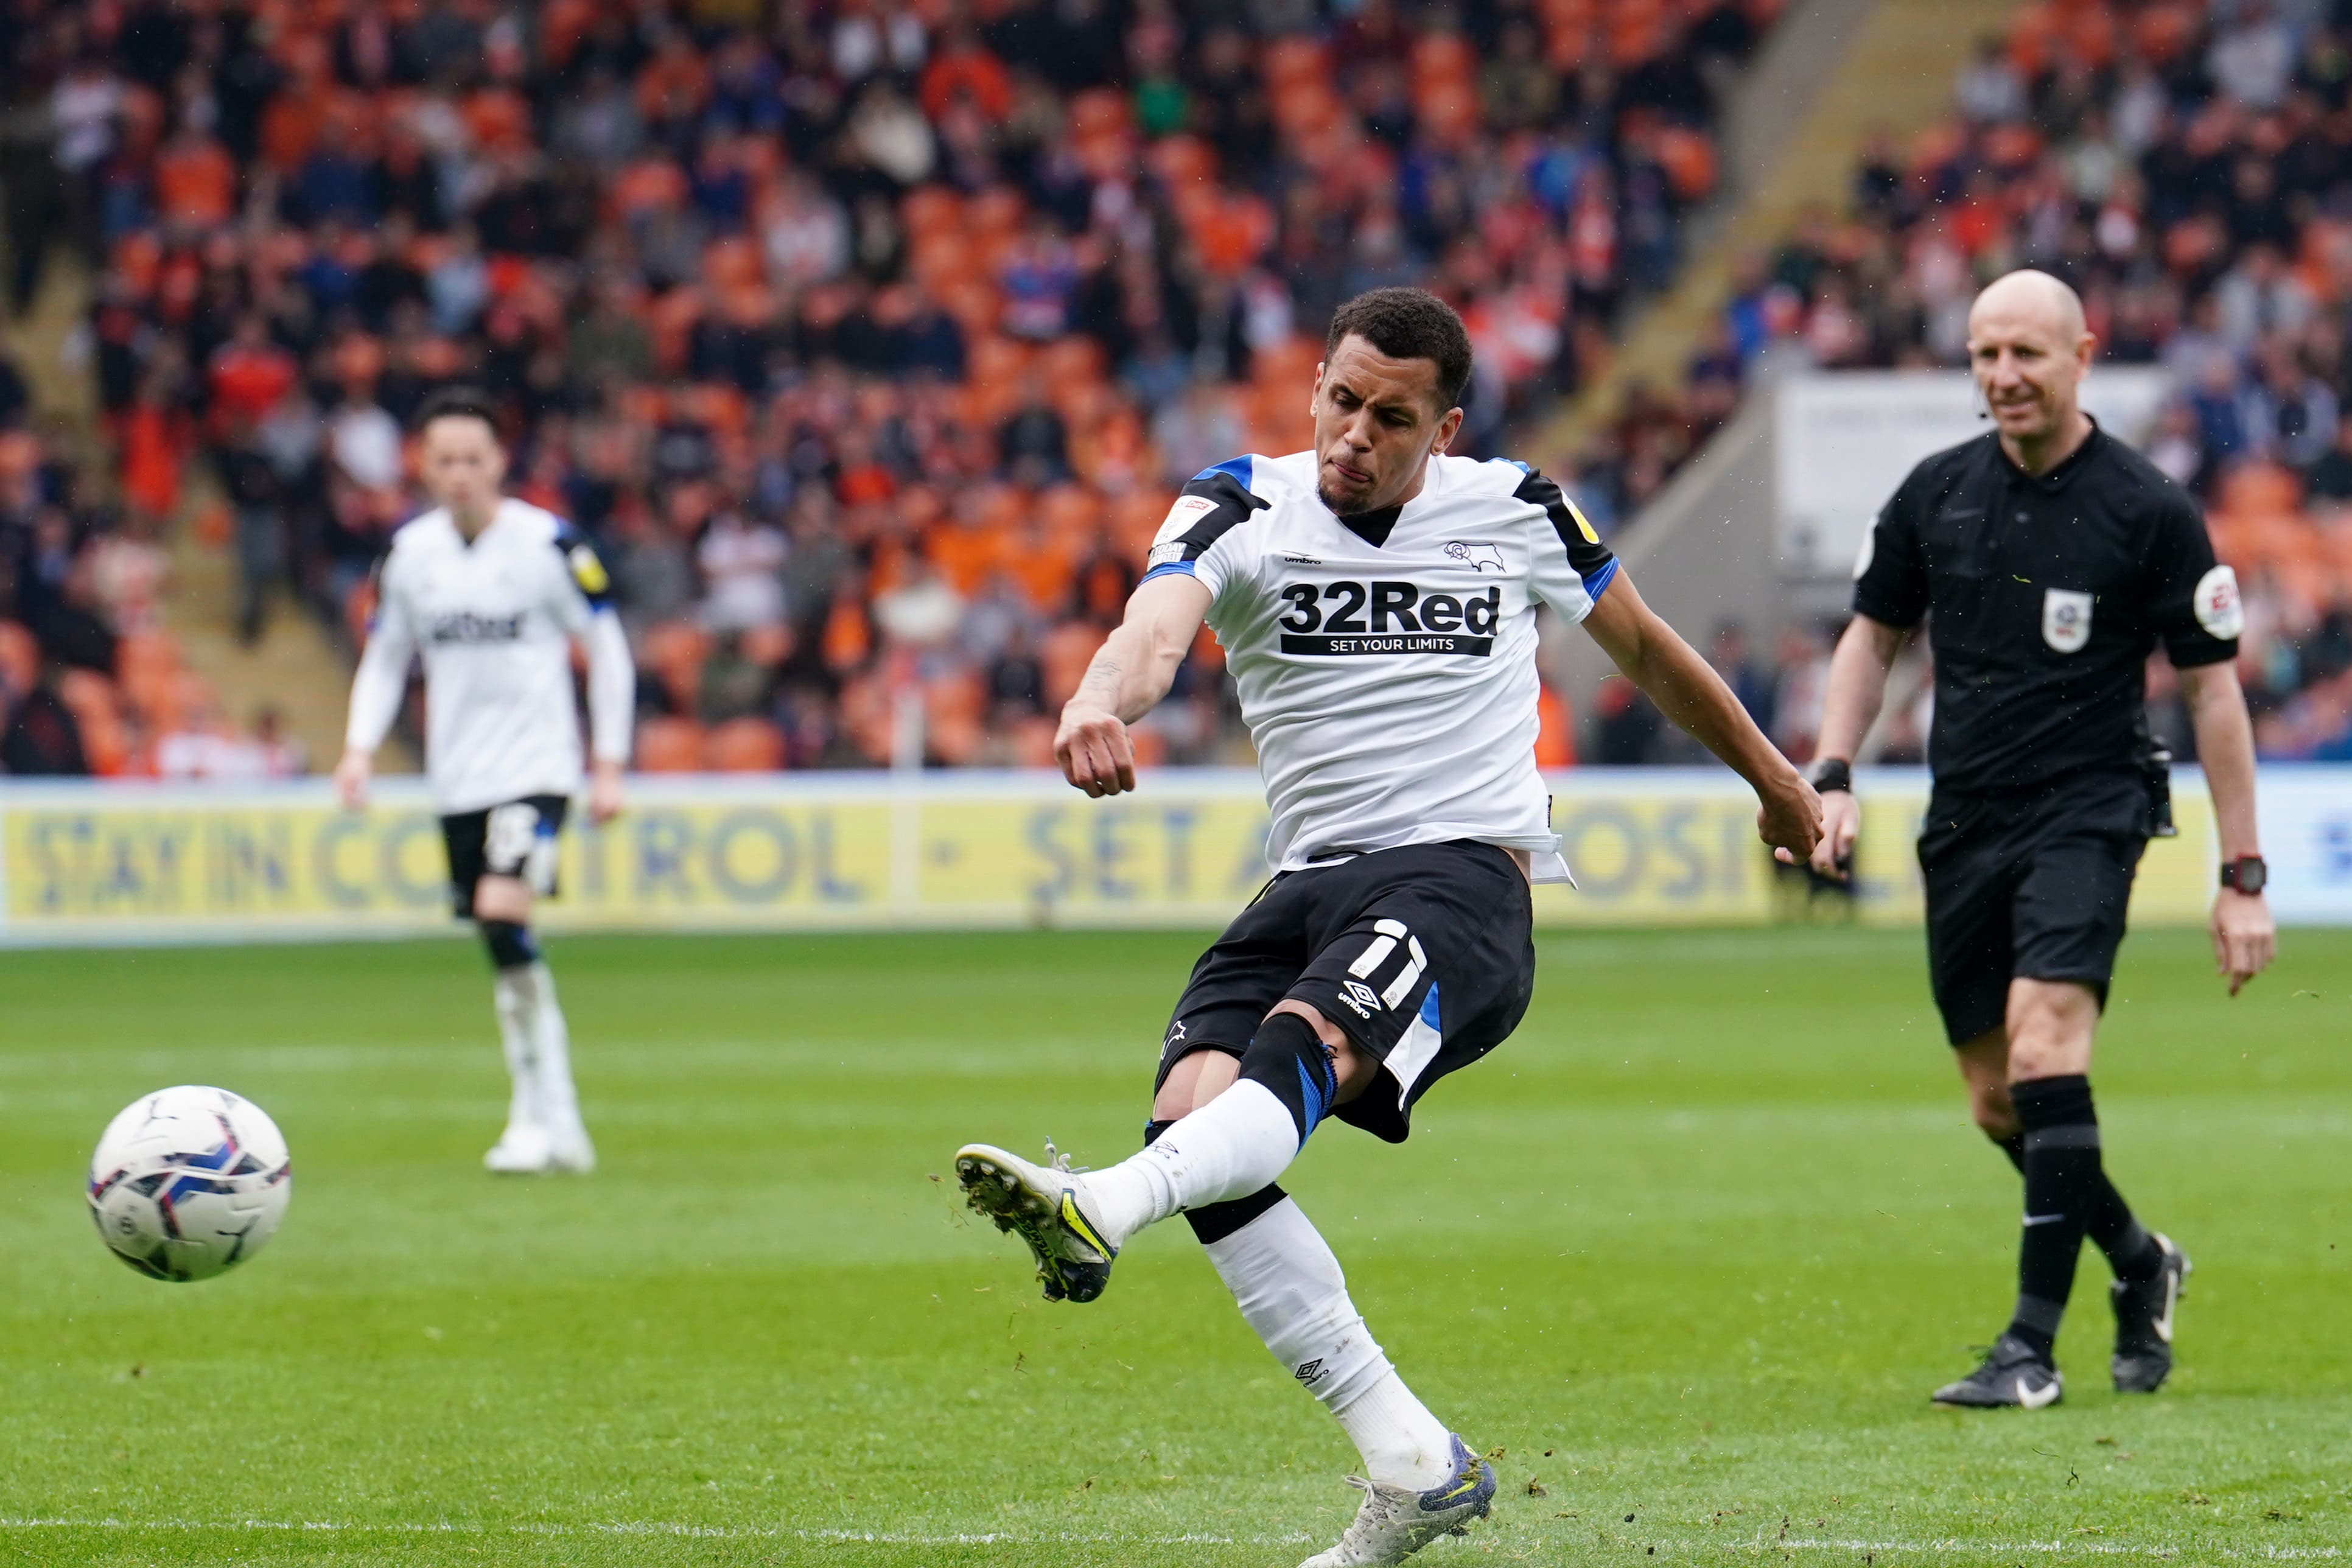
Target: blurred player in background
[1377,599]
[494,592]
[2050,559]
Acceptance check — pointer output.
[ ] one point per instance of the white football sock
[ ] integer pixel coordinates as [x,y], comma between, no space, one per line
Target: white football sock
[559,1102]
[1228,1148]
[1290,1290]
[512,991]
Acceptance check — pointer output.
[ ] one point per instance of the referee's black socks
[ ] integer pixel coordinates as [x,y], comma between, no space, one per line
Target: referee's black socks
[2067,1197]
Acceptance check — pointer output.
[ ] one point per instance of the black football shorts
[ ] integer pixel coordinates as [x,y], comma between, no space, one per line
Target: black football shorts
[2031,886]
[1424,955]
[517,839]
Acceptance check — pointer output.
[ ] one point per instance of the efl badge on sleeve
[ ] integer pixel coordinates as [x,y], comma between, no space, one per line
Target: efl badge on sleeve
[2065,619]
[1187,510]
[588,571]
[2217,606]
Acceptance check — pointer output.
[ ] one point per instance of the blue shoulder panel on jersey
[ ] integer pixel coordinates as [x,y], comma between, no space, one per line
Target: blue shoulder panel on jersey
[1516,464]
[1239,468]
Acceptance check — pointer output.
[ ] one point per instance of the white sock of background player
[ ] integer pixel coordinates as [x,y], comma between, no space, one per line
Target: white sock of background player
[559,1102]
[1289,1287]
[511,993]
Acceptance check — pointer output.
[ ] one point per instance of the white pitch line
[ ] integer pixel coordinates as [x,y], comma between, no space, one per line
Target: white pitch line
[1944,1547]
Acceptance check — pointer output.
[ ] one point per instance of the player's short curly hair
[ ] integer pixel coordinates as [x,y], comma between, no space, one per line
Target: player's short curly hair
[456,403]
[1408,323]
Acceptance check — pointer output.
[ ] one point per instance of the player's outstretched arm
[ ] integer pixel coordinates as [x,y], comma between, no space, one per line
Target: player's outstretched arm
[1688,690]
[376,692]
[1130,673]
[2244,939]
[612,709]
[1857,690]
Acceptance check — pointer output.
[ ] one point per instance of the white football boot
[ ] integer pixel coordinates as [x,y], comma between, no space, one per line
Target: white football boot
[569,1148]
[1394,1522]
[524,1149]
[1047,1208]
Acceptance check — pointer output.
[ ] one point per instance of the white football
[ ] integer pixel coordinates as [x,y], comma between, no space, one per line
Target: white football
[188,1182]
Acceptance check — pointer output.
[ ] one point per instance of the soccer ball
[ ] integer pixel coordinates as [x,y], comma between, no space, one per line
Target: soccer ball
[188,1182]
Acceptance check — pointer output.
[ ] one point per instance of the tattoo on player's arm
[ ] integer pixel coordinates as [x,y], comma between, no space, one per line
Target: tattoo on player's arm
[1102,676]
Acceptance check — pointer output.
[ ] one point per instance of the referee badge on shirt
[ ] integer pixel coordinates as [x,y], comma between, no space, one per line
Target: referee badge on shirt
[2065,619]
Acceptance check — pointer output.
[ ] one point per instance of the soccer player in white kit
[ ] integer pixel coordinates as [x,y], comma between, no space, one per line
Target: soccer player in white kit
[494,592]
[1377,602]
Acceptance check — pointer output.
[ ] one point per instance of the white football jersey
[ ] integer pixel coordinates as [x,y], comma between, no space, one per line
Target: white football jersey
[495,620]
[1387,662]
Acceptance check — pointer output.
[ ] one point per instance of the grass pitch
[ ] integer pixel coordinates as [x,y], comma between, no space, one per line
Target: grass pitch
[1688,1253]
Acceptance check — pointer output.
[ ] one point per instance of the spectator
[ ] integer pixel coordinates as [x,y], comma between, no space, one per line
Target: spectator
[43,739]
[1051,262]
[1733,661]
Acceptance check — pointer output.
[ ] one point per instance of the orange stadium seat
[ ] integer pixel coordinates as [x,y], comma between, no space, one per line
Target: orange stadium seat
[666,746]
[744,746]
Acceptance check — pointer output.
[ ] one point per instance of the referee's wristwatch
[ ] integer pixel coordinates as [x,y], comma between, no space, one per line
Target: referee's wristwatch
[1832,773]
[2247,874]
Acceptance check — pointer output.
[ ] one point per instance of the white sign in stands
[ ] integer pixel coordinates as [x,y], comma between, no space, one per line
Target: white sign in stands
[1843,440]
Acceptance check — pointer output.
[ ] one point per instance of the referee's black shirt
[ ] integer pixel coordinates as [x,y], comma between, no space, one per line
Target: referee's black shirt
[2047,594]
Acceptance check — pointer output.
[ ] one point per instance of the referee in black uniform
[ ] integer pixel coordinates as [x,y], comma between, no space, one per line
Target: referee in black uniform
[2051,560]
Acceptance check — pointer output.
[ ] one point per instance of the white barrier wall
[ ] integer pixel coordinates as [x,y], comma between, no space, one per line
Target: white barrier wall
[143,862]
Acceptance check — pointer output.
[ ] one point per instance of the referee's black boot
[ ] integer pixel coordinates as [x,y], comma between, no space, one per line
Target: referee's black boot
[2142,1358]
[2014,1374]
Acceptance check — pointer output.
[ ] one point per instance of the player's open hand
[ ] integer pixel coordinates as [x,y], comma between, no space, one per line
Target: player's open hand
[1093,747]
[1789,818]
[351,775]
[2245,940]
[1841,824]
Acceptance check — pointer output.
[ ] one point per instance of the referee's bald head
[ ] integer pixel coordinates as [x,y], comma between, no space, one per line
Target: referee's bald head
[2029,349]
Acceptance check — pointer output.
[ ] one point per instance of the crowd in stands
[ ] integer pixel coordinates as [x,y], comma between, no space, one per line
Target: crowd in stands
[2188,168]
[869,339]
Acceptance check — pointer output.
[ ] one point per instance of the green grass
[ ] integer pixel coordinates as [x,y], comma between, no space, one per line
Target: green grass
[1690,1250]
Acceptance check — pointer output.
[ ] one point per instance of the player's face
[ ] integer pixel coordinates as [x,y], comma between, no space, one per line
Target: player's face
[462,464]
[2027,368]
[1376,420]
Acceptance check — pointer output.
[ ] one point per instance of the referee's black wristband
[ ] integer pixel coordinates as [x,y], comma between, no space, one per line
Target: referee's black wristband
[1832,773]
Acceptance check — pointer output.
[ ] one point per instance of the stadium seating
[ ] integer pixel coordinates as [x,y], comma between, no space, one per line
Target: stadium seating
[899,353]
[2183,165]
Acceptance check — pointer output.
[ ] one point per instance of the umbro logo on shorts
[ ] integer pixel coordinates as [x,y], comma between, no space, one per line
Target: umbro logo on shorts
[1360,996]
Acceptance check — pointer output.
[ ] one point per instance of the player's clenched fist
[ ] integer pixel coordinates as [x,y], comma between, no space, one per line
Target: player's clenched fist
[1093,750]
[1789,818]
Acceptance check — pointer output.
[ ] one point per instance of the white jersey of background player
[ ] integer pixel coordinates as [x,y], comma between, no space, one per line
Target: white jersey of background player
[493,592]
[1377,602]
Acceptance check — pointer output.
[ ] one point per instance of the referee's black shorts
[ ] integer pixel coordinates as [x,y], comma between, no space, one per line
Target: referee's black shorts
[2032,886]
[1424,955]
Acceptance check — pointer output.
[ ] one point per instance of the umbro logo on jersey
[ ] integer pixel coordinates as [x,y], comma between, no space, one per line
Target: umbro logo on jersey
[463,626]
[1476,556]
[1354,618]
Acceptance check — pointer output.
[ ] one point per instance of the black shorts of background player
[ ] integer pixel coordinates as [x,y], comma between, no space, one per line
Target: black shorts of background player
[2049,560]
